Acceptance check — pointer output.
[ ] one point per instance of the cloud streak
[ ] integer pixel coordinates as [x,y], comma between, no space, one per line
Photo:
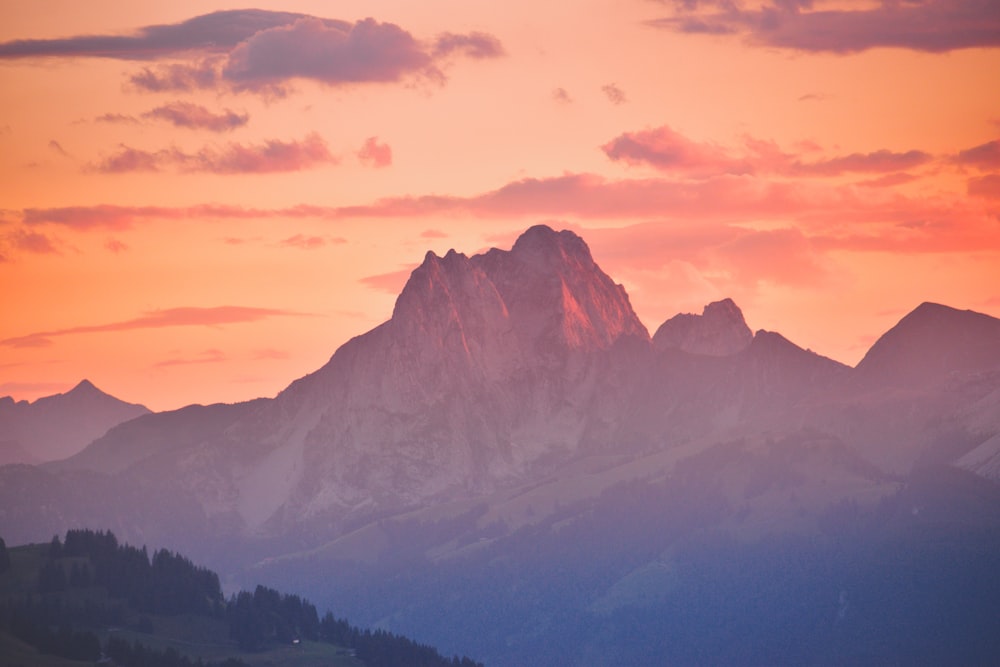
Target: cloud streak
[934,26]
[197,117]
[667,150]
[232,158]
[157,319]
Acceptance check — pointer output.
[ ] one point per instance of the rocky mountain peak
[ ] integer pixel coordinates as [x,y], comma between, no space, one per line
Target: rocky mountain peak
[719,331]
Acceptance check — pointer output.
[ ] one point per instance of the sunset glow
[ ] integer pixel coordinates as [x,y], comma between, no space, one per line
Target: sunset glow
[200,202]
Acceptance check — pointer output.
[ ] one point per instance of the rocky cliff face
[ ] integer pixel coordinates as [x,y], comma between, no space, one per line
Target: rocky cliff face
[719,331]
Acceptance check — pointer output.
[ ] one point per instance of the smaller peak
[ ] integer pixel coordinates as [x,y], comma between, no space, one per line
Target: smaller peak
[430,258]
[85,386]
[543,242]
[719,331]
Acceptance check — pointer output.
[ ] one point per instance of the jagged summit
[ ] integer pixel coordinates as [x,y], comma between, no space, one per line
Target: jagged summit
[931,343]
[719,331]
[547,286]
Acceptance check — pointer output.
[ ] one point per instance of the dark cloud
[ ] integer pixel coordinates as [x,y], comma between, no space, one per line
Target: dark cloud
[614,94]
[561,96]
[476,45]
[375,154]
[985,156]
[331,53]
[194,116]
[263,51]
[116,118]
[217,32]
[232,158]
[177,77]
[57,148]
[28,241]
[922,25]
[169,317]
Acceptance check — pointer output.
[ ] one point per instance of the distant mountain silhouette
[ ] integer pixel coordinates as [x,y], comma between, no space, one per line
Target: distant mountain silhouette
[54,427]
[931,344]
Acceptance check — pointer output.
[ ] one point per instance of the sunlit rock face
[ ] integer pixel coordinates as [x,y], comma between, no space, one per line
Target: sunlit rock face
[719,331]
[492,368]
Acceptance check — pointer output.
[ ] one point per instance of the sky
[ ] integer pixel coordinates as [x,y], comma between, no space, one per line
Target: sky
[201,201]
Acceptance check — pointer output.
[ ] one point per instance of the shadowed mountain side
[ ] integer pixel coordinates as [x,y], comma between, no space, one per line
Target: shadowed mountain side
[930,345]
[54,427]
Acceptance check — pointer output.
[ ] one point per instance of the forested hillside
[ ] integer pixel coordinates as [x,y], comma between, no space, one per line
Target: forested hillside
[87,598]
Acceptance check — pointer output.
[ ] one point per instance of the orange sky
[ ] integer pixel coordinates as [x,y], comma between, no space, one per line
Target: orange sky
[201,207]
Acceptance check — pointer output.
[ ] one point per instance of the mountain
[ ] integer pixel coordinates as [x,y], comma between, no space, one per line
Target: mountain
[932,344]
[511,467]
[720,330]
[54,427]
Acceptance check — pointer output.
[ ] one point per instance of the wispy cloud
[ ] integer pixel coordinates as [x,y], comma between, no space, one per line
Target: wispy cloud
[667,150]
[232,158]
[310,242]
[207,357]
[156,319]
[195,116]
[614,94]
[25,240]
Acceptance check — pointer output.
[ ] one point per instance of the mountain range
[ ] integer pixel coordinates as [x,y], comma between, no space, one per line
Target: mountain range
[511,458]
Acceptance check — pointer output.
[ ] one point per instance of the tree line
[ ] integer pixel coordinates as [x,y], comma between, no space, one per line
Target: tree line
[169,584]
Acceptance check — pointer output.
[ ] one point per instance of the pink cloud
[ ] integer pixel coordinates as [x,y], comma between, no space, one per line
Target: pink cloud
[109,216]
[923,25]
[207,357]
[375,154]
[194,116]
[115,246]
[304,242]
[232,158]
[433,234]
[987,186]
[668,150]
[170,317]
